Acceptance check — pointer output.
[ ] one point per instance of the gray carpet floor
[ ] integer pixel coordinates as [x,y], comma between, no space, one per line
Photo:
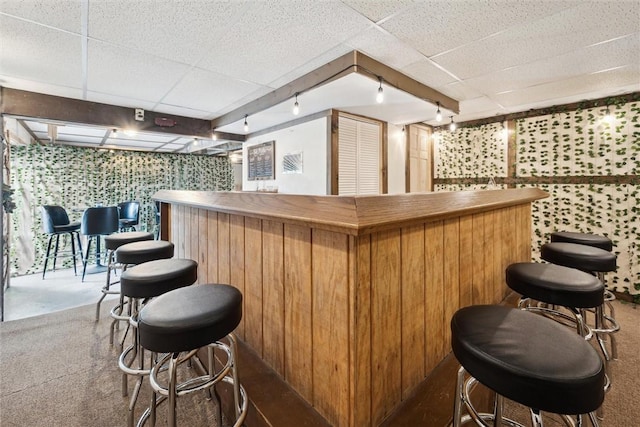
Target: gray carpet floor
[59,369]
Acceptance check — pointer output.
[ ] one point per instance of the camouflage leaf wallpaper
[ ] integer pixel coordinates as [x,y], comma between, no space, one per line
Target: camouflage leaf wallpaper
[587,162]
[76,178]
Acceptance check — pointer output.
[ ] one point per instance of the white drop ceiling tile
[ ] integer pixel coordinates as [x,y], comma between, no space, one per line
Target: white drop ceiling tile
[127,73]
[428,73]
[603,56]
[385,48]
[559,34]
[460,91]
[207,91]
[33,52]
[581,87]
[436,26]
[170,147]
[120,100]
[481,103]
[311,65]
[72,130]
[273,38]
[182,31]
[79,138]
[40,87]
[63,14]
[380,9]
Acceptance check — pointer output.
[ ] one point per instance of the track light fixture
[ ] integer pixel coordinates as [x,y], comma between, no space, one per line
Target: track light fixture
[296,107]
[214,135]
[246,125]
[438,113]
[114,133]
[452,125]
[380,95]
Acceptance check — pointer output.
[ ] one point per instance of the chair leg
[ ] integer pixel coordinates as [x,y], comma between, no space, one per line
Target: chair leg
[55,253]
[86,259]
[73,254]
[79,245]
[46,258]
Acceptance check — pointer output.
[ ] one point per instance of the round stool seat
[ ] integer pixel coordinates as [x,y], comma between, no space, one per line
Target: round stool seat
[588,239]
[157,277]
[140,252]
[189,318]
[555,284]
[115,240]
[528,359]
[581,257]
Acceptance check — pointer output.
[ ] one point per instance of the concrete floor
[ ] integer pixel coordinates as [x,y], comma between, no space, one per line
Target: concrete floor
[30,295]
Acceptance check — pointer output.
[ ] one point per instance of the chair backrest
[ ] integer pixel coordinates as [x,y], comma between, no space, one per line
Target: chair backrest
[100,220]
[53,215]
[130,210]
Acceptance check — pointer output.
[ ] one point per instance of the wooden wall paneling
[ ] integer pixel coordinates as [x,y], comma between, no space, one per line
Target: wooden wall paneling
[273,294]
[508,246]
[434,294]
[478,279]
[496,264]
[298,350]
[179,227]
[413,308]
[386,332]
[237,263]
[194,236]
[203,246]
[212,246]
[330,317]
[253,283]
[489,246]
[466,260]
[451,261]
[524,236]
[174,227]
[185,224]
[224,257]
[360,340]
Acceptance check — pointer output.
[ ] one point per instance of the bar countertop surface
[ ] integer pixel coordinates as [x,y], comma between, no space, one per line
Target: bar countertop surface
[355,215]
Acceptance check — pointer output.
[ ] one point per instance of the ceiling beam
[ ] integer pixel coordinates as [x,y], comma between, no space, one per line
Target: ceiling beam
[333,70]
[370,67]
[352,62]
[25,104]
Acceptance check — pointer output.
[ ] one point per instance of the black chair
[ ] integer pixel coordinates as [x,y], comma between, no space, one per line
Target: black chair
[129,215]
[55,222]
[96,222]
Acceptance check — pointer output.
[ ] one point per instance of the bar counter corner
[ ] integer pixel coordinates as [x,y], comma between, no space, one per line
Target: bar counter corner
[348,298]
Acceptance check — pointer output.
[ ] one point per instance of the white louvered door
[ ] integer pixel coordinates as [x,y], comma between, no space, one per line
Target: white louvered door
[358,157]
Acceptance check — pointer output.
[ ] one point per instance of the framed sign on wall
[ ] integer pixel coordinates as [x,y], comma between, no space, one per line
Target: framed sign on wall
[261,159]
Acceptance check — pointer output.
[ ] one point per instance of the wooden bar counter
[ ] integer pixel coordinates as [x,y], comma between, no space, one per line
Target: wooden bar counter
[348,299]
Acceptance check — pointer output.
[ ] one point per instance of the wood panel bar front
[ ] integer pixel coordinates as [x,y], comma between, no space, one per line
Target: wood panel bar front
[349,299]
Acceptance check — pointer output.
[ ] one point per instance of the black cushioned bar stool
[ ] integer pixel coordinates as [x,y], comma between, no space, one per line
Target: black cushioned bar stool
[596,261]
[113,242]
[595,240]
[139,284]
[528,359]
[559,286]
[132,254]
[179,323]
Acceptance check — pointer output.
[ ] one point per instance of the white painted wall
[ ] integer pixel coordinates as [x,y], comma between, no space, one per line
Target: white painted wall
[396,159]
[310,138]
